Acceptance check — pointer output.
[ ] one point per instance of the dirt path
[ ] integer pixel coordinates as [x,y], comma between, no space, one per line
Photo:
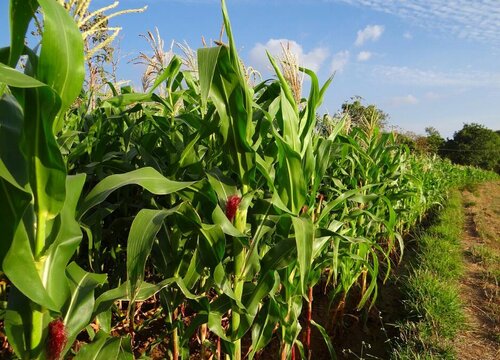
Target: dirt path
[480,290]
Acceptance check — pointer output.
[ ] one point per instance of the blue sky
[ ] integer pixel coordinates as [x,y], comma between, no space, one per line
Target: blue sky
[424,62]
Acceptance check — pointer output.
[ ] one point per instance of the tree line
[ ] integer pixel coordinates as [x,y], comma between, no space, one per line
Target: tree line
[474,144]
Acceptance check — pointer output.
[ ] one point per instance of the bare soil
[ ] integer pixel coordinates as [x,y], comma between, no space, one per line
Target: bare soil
[480,292]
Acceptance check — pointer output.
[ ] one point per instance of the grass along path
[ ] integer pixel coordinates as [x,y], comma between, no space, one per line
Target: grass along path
[430,288]
[479,286]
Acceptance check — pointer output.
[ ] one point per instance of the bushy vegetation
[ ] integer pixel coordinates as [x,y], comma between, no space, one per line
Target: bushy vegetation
[218,201]
[474,145]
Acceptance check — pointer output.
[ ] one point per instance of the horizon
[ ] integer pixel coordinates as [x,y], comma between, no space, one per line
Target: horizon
[425,63]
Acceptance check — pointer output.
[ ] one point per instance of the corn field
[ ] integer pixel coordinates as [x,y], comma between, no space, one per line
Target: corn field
[218,201]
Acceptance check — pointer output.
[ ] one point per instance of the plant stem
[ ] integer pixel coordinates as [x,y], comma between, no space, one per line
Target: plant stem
[36,337]
[308,329]
[203,338]
[240,222]
[41,223]
[175,340]
[175,337]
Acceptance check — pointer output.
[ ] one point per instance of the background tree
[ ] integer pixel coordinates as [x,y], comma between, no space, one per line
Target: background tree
[434,140]
[364,116]
[474,145]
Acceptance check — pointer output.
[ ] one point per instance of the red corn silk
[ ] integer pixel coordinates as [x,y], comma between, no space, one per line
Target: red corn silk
[232,204]
[56,339]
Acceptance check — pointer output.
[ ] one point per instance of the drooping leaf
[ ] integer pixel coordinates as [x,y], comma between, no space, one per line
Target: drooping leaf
[142,233]
[147,177]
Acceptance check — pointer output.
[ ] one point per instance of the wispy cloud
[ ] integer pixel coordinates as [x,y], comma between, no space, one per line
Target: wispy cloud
[403,100]
[364,56]
[312,59]
[407,35]
[413,76]
[432,96]
[469,19]
[339,61]
[371,32]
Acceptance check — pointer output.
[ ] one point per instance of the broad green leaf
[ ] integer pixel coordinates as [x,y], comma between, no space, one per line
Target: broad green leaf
[168,74]
[147,177]
[341,199]
[290,182]
[207,61]
[220,218]
[24,272]
[128,99]
[142,234]
[13,168]
[105,348]
[21,13]
[263,327]
[144,292]
[17,320]
[17,79]
[47,171]
[304,240]
[61,63]
[14,202]
[66,240]
[280,256]
[13,172]
[79,309]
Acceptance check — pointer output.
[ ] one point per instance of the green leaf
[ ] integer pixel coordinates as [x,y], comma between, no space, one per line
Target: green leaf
[23,271]
[220,218]
[280,256]
[17,321]
[47,171]
[168,73]
[207,61]
[13,172]
[304,240]
[66,240]
[12,165]
[105,347]
[14,202]
[17,79]
[21,13]
[143,232]
[147,177]
[127,99]
[79,309]
[61,57]
[263,327]
[144,292]
[290,182]
[326,337]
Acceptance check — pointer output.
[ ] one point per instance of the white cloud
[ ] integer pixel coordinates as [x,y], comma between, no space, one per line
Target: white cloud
[371,32]
[364,56]
[431,95]
[339,61]
[403,100]
[474,20]
[311,60]
[407,35]
[412,76]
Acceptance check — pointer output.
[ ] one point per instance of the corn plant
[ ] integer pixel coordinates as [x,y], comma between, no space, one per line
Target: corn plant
[219,197]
